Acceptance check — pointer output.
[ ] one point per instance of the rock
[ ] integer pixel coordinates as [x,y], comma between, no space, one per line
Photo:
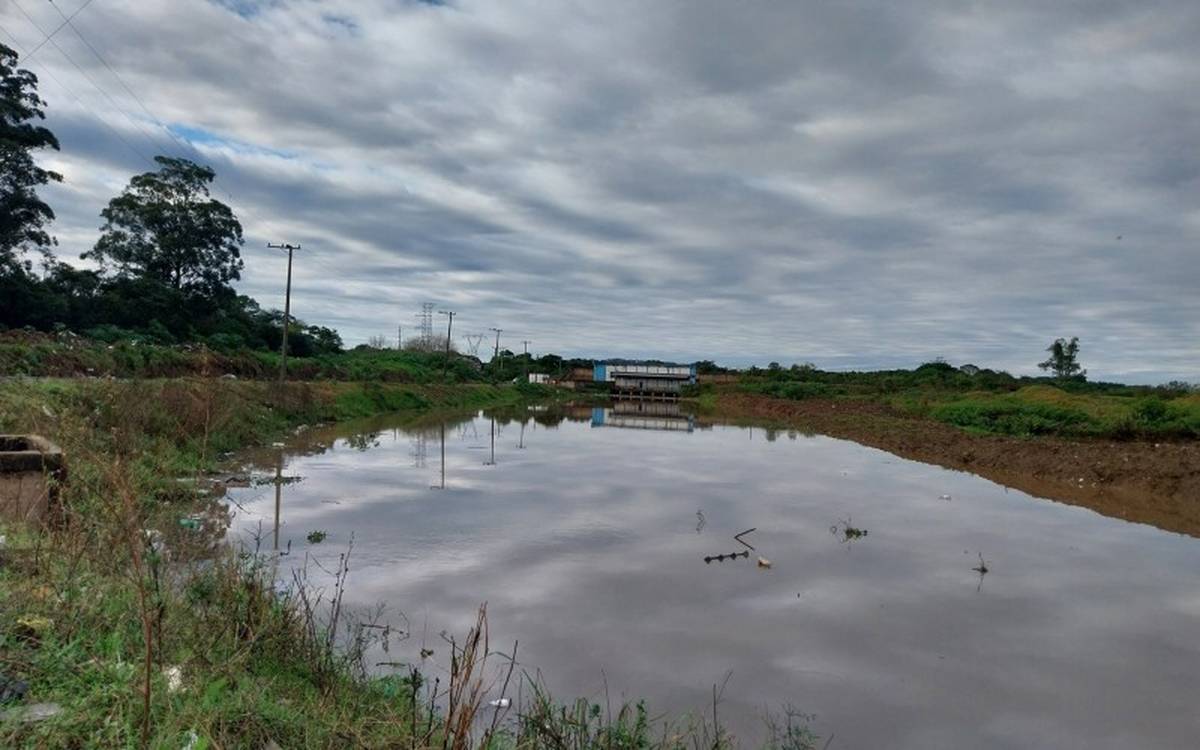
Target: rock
[174,678]
[31,713]
[12,690]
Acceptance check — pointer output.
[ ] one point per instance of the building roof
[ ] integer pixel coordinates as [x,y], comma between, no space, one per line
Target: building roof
[648,362]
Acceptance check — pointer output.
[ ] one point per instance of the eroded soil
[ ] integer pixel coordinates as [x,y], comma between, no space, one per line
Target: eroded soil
[1140,481]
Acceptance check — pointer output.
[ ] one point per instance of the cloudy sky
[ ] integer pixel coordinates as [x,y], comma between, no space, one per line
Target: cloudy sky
[853,184]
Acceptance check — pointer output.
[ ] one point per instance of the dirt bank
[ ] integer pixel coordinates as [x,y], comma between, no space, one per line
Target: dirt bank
[1145,482]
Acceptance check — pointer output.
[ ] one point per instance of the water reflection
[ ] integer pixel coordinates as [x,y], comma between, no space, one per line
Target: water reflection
[588,543]
[636,414]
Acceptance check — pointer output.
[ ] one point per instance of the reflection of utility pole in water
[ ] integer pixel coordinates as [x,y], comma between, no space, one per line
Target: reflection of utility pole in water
[443,455]
[521,441]
[492,462]
[278,495]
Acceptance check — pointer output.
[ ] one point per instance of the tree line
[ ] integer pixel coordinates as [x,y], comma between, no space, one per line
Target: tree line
[165,261]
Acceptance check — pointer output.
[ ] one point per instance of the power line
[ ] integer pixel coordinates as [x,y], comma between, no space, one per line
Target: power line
[187,148]
[88,108]
[57,29]
[89,78]
[155,144]
[67,21]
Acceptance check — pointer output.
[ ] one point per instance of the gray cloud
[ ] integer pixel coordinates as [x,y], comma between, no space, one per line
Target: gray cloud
[866,184]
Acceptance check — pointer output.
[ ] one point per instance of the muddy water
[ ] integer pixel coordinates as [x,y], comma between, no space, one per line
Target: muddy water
[587,538]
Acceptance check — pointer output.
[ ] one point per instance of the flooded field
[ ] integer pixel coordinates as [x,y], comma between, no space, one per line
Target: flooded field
[602,540]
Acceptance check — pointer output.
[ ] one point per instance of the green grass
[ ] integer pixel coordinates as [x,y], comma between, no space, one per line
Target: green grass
[1044,410]
[997,403]
[66,355]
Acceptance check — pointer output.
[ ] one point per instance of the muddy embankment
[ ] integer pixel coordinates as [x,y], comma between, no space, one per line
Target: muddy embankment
[1140,481]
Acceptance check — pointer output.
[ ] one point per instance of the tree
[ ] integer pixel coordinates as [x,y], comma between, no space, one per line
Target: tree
[165,227]
[1063,359]
[23,216]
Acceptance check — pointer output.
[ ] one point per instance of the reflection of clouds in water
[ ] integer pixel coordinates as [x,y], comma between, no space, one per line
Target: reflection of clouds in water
[584,546]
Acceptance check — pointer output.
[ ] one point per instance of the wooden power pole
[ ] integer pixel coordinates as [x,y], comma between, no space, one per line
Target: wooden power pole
[287,308]
[449,327]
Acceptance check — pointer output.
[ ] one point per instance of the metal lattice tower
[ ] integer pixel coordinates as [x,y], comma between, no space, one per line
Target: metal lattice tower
[425,325]
[474,340]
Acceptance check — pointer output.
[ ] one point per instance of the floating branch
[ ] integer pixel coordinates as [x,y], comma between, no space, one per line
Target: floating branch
[723,558]
[741,541]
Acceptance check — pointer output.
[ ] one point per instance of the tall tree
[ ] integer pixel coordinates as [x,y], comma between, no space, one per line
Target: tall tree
[165,227]
[1064,359]
[23,216]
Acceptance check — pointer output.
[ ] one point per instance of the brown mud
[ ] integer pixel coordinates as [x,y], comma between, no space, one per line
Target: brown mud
[1155,483]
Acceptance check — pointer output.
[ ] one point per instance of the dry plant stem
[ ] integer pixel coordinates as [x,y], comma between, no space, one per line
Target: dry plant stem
[500,710]
[129,523]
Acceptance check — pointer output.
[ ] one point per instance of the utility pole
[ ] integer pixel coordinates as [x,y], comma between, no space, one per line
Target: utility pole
[399,338]
[287,308]
[525,361]
[496,355]
[449,326]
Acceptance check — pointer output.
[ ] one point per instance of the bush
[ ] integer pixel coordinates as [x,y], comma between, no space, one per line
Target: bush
[1011,417]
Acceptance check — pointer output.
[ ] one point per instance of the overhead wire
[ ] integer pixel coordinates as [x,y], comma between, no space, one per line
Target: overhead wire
[87,107]
[89,78]
[39,45]
[68,22]
[187,147]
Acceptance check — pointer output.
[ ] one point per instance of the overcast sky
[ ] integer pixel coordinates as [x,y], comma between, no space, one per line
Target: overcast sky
[852,184]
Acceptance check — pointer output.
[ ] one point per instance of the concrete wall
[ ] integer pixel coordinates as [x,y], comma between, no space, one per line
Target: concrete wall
[30,469]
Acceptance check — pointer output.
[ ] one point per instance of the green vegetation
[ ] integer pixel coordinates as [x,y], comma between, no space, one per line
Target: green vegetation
[65,355]
[986,401]
[1046,410]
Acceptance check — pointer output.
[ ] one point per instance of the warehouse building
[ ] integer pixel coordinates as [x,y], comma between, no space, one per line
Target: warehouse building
[642,379]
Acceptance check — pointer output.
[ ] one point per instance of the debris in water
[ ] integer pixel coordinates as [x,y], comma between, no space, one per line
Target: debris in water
[848,531]
[983,568]
[701,522]
[316,537]
[500,703]
[729,556]
[741,541]
[944,497]
[764,562]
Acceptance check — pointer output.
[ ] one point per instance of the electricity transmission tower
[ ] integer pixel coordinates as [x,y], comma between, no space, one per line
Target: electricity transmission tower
[473,342]
[425,325]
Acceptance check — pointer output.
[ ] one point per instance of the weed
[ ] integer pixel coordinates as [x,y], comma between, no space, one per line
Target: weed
[316,537]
